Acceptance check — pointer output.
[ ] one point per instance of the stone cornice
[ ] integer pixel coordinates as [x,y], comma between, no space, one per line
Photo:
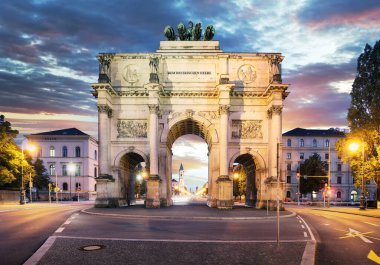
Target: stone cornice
[102,86]
[277,87]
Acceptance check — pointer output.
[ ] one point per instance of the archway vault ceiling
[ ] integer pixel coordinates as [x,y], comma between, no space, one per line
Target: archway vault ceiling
[188,126]
[247,161]
[132,159]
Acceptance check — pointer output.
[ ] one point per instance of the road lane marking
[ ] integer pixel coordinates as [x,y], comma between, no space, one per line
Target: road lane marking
[371,223]
[373,256]
[354,233]
[326,224]
[304,234]
[303,226]
[59,230]
[67,222]
[308,228]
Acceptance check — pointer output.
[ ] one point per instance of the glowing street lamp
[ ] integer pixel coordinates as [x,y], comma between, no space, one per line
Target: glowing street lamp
[354,147]
[71,169]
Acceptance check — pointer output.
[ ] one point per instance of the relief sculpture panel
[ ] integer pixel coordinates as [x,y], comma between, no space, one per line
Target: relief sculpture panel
[246,129]
[132,128]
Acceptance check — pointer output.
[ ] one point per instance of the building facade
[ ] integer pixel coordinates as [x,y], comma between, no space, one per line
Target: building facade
[298,145]
[71,159]
[148,100]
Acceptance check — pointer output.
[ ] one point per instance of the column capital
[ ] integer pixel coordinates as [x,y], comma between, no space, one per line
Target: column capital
[277,109]
[269,113]
[153,108]
[104,108]
[224,109]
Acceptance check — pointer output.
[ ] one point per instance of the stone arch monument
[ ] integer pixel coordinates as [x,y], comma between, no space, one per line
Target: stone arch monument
[147,100]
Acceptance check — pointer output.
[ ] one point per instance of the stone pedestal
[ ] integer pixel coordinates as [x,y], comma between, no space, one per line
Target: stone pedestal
[225,195]
[153,194]
[103,198]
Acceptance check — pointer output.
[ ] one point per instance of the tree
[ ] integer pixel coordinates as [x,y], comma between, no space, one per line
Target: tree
[11,158]
[239,183]
[364,118]
[313,166]
[41,178]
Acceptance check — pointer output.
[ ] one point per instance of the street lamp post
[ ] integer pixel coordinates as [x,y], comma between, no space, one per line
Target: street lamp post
[71,169]
[329,178]
[31,148]
[354,147]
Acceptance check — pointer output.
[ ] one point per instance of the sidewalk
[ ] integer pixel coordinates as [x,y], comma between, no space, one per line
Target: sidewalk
[352,210]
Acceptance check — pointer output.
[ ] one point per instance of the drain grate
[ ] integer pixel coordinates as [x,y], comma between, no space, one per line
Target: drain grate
[91,247]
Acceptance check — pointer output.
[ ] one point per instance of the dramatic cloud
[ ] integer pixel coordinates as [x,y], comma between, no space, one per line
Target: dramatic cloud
[48,51]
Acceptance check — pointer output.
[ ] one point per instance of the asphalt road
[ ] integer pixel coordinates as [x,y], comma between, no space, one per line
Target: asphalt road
[23,229]
[343,238]
[166,241]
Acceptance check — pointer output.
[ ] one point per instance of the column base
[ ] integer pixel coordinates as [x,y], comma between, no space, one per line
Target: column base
[153,194]
[225,204]
[212,203]
[110,203]
[225,199]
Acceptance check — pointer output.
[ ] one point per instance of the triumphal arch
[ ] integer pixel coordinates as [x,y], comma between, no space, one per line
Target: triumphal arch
[146,101]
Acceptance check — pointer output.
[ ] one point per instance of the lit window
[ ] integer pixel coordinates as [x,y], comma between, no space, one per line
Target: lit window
[289,142]
[52,151]
[77,151]
[64,151]
[52,170]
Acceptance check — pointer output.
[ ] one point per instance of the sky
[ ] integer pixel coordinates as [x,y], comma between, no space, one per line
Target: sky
[48,51]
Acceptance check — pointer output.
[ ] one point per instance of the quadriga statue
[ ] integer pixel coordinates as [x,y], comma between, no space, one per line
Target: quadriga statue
[209,32]
[197,33]
[169,33]
[182,33]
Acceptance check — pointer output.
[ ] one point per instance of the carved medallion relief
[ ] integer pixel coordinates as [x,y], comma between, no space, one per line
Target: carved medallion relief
[246,73]
[246,129]
[132,128]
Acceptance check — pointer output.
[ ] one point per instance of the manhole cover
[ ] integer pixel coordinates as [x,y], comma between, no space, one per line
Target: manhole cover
[91,247]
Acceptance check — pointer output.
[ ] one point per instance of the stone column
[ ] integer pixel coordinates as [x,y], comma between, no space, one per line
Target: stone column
[225,196]
[276,137]
[105,113]
[153,196]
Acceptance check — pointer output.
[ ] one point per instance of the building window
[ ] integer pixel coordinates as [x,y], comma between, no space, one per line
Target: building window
[64,151]
[289,142]
[288,194]
[52,151]
[77,170]
[326,156]
[339,195]
[339,180]
[289,166]
[95,187]
[52,170]
[327,143]
[288,155]
[302,143]
[95,172]
[77,151]
[314,142]
[288,179]
[302,155]
[339,167]
[77,186]
[64,170]
[96,155]
[64,186]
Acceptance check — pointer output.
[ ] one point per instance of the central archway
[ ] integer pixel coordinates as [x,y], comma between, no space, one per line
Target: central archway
[189,126]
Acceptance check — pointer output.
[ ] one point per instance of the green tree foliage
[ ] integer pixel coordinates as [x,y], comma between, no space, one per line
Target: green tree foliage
[364,118]
[313,166]
[41,178]
[11,158]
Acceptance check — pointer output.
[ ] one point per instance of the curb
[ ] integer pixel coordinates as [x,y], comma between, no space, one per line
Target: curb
[337,211]
[163,217]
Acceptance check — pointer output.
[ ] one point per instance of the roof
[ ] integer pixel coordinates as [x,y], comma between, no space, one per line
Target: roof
[181,167]
[315,132]
[70,131]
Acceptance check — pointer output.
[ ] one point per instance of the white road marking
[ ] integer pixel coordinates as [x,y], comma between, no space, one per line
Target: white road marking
[326,224]
[355,233]
[303,226]
[304,234]
[59,230]
[300,221]
[308,228]
[67,222]
[371,223]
